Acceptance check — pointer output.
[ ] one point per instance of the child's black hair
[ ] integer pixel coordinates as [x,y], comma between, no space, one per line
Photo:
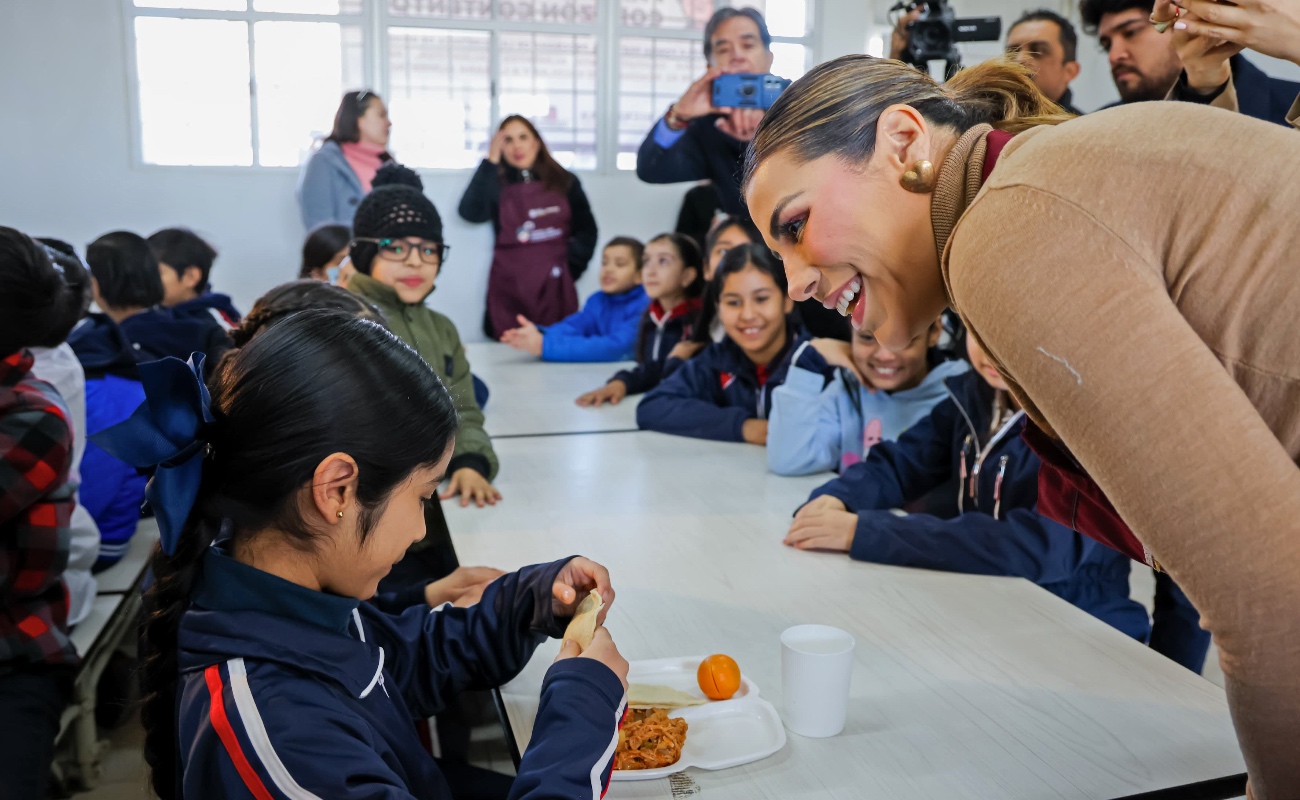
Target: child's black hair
[301,295]
[322,244]
[182,248]
[316,383]
[689,252]
[42,293]
[635,245]
[725,223]
[126,270]
[754,255]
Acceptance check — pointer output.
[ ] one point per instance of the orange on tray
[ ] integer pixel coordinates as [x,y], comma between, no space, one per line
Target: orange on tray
[719,677]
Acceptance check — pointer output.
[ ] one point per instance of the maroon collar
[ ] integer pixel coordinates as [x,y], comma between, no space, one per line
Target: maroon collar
[996,141]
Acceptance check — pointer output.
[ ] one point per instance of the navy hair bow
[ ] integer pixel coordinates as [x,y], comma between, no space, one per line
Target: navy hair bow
[169,431]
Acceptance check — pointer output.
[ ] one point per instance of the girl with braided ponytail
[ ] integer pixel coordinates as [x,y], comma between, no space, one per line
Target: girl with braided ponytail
[1130,274]
[284,492]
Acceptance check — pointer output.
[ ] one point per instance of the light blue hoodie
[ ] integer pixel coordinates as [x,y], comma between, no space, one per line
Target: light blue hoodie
[817,426]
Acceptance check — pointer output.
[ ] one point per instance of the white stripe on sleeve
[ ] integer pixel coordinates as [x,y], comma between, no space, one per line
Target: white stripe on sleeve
[596,788]
[252,720]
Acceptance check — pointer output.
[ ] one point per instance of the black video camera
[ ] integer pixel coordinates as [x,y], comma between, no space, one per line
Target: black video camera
[934,35]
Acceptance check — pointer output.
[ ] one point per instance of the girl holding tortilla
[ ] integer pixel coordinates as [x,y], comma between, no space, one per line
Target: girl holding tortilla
[1133,275]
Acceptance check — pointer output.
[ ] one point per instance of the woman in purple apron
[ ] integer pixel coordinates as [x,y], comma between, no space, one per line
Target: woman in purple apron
[545,232]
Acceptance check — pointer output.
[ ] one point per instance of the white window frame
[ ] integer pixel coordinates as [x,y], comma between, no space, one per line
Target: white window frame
[374,22]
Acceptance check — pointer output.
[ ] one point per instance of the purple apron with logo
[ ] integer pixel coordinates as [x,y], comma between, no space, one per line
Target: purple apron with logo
[530,265]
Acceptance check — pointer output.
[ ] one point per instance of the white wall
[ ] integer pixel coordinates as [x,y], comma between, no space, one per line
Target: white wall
[66,166]
[66,169]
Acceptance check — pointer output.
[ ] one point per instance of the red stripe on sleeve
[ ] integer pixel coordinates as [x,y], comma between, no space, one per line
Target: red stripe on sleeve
[217,713]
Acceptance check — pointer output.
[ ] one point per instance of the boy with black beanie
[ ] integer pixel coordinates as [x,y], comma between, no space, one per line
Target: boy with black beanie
[397,250]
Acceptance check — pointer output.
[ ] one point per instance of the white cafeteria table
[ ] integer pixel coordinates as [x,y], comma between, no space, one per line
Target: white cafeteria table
[963,686]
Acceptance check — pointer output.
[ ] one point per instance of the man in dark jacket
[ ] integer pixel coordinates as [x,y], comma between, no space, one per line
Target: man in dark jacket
[1149,65]
[1047,44]
[694,141]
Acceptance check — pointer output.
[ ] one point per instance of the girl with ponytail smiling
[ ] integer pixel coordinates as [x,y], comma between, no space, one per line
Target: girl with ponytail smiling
[283,497]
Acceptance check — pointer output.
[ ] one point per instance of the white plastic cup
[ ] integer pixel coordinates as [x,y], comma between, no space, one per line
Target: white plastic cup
[816,668]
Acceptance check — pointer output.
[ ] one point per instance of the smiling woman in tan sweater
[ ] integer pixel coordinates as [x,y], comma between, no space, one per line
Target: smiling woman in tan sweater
[1136,273]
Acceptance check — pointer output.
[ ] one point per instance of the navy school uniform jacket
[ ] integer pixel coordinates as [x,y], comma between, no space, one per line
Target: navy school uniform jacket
[285,692]
[711,395]
[660,332]
[998,531]
[210,305]
[158,332]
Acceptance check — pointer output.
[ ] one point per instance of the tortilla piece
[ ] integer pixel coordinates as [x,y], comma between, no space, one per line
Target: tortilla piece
[583,625]
[651,696]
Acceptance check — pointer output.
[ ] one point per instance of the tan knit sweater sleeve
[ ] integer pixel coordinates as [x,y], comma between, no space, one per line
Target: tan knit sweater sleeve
[1089,330]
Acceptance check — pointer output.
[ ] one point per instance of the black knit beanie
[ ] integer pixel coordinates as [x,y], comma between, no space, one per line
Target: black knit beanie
[395,174]
[392,212]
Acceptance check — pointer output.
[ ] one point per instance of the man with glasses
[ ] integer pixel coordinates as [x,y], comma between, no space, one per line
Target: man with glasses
[694,141]
[1047,44]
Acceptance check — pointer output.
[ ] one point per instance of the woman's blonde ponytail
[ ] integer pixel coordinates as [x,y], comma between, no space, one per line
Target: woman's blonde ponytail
[1002,93]
[833,109]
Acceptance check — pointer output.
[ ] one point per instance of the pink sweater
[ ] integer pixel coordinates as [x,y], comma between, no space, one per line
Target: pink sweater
[364,159]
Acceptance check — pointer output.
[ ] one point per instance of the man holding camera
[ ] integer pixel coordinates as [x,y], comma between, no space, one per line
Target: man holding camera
[1150,62]
[695,141]
[1043,41]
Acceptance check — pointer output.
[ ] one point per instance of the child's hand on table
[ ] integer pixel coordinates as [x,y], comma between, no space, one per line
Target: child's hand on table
[611,393]
[464,583]
[754,431]
[472,488]
[822,503]
[823,529]
[526,337]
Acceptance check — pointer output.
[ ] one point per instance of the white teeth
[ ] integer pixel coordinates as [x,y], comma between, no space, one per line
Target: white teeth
[846,298]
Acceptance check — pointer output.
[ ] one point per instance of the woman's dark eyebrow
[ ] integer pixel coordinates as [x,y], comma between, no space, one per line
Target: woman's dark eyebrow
[774,226]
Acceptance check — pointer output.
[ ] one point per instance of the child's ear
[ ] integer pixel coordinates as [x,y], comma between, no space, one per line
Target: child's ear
[334,487]
[789,305]
[191,278]
[936,331]
[689,275]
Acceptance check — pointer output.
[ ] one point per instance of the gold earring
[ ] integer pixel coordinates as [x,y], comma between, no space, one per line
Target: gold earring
[920,179]
[340,515]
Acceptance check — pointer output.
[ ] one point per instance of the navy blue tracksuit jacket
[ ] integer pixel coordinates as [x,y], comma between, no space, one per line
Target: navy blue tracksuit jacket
[290,693]
[660,332]
[711,395]
[997,531]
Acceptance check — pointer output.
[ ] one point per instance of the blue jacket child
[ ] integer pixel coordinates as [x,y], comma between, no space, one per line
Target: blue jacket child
[998,531]
[111,490]
[358,678]
[815,429]
[713,394]
[604,330]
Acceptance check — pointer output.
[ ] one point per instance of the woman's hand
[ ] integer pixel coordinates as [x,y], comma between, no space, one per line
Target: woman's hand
[462,583]
[601,649]
[472,487]
[821,503]
[498,144]
[754,431]
[825,529]
[1271,27]
[1205,59]
[840,354]
[526,337]
[611,393]
[575,581]
[685,351]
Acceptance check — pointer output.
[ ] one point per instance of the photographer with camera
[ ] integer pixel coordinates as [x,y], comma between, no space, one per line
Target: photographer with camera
[1152,58]
[1043,41]
[694,140]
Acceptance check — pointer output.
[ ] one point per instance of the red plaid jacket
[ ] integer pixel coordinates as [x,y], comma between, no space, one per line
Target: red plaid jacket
[35,507]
